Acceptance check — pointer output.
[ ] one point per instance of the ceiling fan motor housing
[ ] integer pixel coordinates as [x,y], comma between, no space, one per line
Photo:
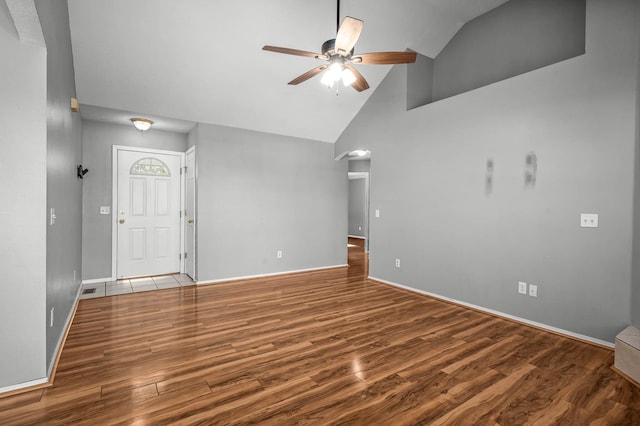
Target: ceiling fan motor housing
[329,49]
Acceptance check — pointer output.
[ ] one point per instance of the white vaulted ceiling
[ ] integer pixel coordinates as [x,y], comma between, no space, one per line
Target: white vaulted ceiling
[201,60]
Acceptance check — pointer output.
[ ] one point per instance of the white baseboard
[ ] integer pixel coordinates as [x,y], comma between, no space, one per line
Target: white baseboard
[24,385]
[61,339]
[248,277]
[56,353]
[97,280]
[503,315]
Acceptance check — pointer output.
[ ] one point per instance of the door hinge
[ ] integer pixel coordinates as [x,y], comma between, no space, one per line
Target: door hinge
[180,256]
[185,255]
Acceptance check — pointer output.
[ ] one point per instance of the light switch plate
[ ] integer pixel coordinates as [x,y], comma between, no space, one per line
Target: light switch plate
[533,290]
[522,287]
[588,220]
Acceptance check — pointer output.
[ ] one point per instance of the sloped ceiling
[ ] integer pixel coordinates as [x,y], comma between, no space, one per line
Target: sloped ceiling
[201,60]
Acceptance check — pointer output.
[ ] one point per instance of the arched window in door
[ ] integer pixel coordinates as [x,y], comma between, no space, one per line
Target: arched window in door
[150,167]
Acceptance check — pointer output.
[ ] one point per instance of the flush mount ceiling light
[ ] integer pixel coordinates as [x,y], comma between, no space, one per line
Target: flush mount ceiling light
[142,124]
[359,153]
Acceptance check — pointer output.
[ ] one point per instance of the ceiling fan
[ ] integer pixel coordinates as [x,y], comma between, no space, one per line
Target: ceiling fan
[339,56]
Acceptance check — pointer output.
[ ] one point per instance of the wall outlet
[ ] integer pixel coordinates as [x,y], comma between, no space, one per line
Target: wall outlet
[377,213]
[279,254]
[105,209]
[522,287]
[588,220]
[51,318]
[533,290]
[52,216]
[397,263]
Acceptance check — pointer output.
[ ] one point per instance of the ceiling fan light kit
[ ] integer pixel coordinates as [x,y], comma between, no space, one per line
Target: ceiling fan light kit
[339,55]
[336,72]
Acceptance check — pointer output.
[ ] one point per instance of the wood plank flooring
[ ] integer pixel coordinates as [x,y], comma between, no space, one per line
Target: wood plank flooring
[326,347]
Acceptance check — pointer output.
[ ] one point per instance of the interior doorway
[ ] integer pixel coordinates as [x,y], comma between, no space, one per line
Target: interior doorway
[359,174]
[357,259]
[148,203]
[358,221]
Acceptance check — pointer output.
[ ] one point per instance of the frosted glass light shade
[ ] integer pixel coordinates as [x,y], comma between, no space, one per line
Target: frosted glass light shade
[142,124]
[326,79]
[347,77]
[332,74]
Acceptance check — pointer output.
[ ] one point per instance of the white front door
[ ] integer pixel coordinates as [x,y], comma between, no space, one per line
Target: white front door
[147,213]
[190,210]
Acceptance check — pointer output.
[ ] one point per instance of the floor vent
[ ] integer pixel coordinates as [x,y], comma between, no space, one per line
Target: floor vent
[88,291]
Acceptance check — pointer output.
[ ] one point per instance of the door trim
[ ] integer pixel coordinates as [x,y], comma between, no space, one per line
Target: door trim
[365,176]
[114,201]
[195,212]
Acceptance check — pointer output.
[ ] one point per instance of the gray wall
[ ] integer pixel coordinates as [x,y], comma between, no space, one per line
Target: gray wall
[23,171]
[420,82]
[517,37]
[258,193]
[635,282]
[579,117]
[64,189]
[97,155]
[359,165]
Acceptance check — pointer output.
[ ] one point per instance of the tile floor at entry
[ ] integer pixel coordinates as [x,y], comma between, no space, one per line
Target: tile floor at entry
[134,285]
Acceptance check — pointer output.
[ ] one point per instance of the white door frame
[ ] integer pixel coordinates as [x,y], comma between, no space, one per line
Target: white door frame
[365,176]
[114,201]
[195,211]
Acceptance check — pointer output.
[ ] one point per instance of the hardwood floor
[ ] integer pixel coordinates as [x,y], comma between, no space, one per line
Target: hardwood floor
[326,347]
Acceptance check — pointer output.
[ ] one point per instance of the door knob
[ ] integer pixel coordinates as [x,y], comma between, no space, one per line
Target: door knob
[121,221]
[190,221]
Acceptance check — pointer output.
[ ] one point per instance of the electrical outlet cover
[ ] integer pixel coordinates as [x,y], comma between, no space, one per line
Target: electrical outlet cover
[533,290]
[588,220]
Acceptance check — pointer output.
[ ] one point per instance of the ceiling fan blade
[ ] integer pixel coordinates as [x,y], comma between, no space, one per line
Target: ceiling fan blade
[385,58]
[307,75]
[348,34]
[295,52]
[360,84]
